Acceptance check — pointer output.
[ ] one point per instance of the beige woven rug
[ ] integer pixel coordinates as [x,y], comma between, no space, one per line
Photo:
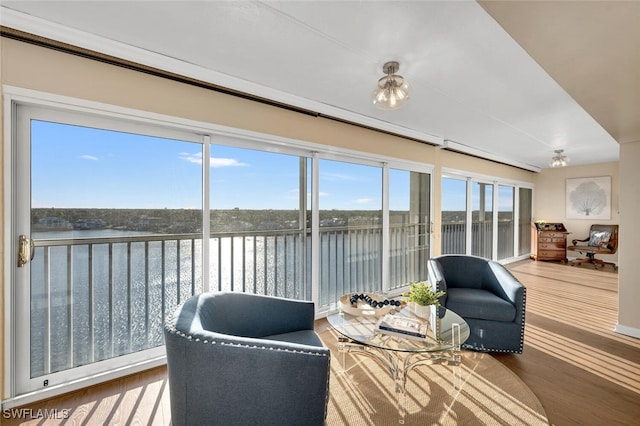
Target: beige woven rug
[490,394]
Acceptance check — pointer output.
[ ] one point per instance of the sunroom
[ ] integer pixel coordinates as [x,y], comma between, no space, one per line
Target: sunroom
[135,187]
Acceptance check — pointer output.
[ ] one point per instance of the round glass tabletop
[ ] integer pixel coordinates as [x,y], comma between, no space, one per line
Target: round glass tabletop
[443,330]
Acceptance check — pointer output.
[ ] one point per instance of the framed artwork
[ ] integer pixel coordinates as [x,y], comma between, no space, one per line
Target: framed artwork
[589,198]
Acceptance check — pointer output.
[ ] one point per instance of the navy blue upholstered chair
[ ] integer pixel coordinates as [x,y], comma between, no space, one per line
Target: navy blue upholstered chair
[245,359]
[487,296]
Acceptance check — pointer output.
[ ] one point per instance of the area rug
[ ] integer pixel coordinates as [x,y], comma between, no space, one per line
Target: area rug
[362,393]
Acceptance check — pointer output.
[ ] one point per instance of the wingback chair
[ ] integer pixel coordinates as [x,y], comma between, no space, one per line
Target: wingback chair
[245,359]
[487,296]
[602,239]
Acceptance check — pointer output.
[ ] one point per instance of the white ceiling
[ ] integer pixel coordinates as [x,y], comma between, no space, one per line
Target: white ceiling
[473,88]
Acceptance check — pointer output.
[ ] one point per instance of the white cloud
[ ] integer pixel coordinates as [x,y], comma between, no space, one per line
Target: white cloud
[89,157]
[226,162]
[191,158]
[363,200]
[215,162]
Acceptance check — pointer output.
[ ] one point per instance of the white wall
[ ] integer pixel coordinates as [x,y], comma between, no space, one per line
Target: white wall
[629,275]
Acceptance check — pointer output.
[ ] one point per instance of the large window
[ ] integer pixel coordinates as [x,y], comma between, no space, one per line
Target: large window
[506,226]
[117,241]
[479,217]
[129,218]
[409,226]
[350,228]
[482,219]
[525,218]
[454,216]
[258,229]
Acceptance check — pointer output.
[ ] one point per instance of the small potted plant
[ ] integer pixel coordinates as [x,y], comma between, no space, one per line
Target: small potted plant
[423,296]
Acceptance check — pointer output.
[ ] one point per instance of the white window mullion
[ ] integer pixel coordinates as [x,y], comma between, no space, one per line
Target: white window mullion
[469,222]
[385,229]
[206,212]
[494,228]
[431,214]
[516,221]
[315,228]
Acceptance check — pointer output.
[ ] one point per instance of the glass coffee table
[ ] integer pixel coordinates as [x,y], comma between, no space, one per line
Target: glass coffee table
[445,332]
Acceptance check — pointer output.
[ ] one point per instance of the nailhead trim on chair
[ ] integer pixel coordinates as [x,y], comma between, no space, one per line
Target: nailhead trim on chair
[524,310]
[171,328]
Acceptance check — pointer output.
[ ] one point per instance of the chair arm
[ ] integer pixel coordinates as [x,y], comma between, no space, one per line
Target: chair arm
[435,276]
[576,241]
[505,285]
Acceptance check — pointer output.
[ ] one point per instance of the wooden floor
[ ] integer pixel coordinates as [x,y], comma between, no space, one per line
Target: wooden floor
[581,371]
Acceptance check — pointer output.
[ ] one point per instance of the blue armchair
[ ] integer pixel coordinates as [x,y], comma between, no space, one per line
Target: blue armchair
[245,359]
[487,296]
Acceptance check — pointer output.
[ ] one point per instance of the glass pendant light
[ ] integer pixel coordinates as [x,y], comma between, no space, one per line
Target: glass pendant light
[393,90]
[559,160]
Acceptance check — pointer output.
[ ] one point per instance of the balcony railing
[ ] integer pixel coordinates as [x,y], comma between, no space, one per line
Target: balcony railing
[97,298]
[454,238]
[94,299]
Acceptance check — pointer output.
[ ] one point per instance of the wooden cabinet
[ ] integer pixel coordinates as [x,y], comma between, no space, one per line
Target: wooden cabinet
[548,241]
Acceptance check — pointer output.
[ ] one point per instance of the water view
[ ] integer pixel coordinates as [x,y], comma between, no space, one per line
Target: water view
[105,292]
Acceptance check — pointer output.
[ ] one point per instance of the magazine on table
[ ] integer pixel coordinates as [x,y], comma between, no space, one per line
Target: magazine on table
[408,327]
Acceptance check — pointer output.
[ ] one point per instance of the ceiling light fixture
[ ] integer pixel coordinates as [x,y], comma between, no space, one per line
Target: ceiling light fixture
[559,160]
[392,91]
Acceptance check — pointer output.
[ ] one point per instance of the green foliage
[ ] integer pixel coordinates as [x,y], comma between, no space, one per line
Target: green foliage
[422,294]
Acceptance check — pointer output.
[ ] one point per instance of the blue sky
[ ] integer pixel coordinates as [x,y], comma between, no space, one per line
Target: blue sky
[83,167]
[90,168]
[454,196]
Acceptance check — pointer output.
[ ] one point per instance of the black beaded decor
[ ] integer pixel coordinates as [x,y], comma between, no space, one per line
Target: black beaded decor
[355,297]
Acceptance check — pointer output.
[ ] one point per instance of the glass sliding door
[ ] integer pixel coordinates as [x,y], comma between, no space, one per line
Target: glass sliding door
[482,219]
[489,219]
[350,215]
[112,256]
[128,218]
[258,227]
[454,216]
[409,226]
[525,202]
[506,207]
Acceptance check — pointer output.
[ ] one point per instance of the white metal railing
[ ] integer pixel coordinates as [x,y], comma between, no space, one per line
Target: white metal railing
[453,238]
[94,299]
[97,298]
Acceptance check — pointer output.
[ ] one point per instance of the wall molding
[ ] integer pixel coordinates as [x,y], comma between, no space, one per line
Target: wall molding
[627,331]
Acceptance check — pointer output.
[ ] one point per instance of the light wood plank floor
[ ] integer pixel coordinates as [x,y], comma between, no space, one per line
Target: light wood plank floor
[582,372]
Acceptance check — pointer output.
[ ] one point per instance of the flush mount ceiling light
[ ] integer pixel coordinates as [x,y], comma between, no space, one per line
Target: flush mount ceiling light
[392,91]
[559,160]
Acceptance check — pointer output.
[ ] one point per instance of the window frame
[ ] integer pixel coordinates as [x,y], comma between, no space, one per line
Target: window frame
[113,117]
[470,178]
